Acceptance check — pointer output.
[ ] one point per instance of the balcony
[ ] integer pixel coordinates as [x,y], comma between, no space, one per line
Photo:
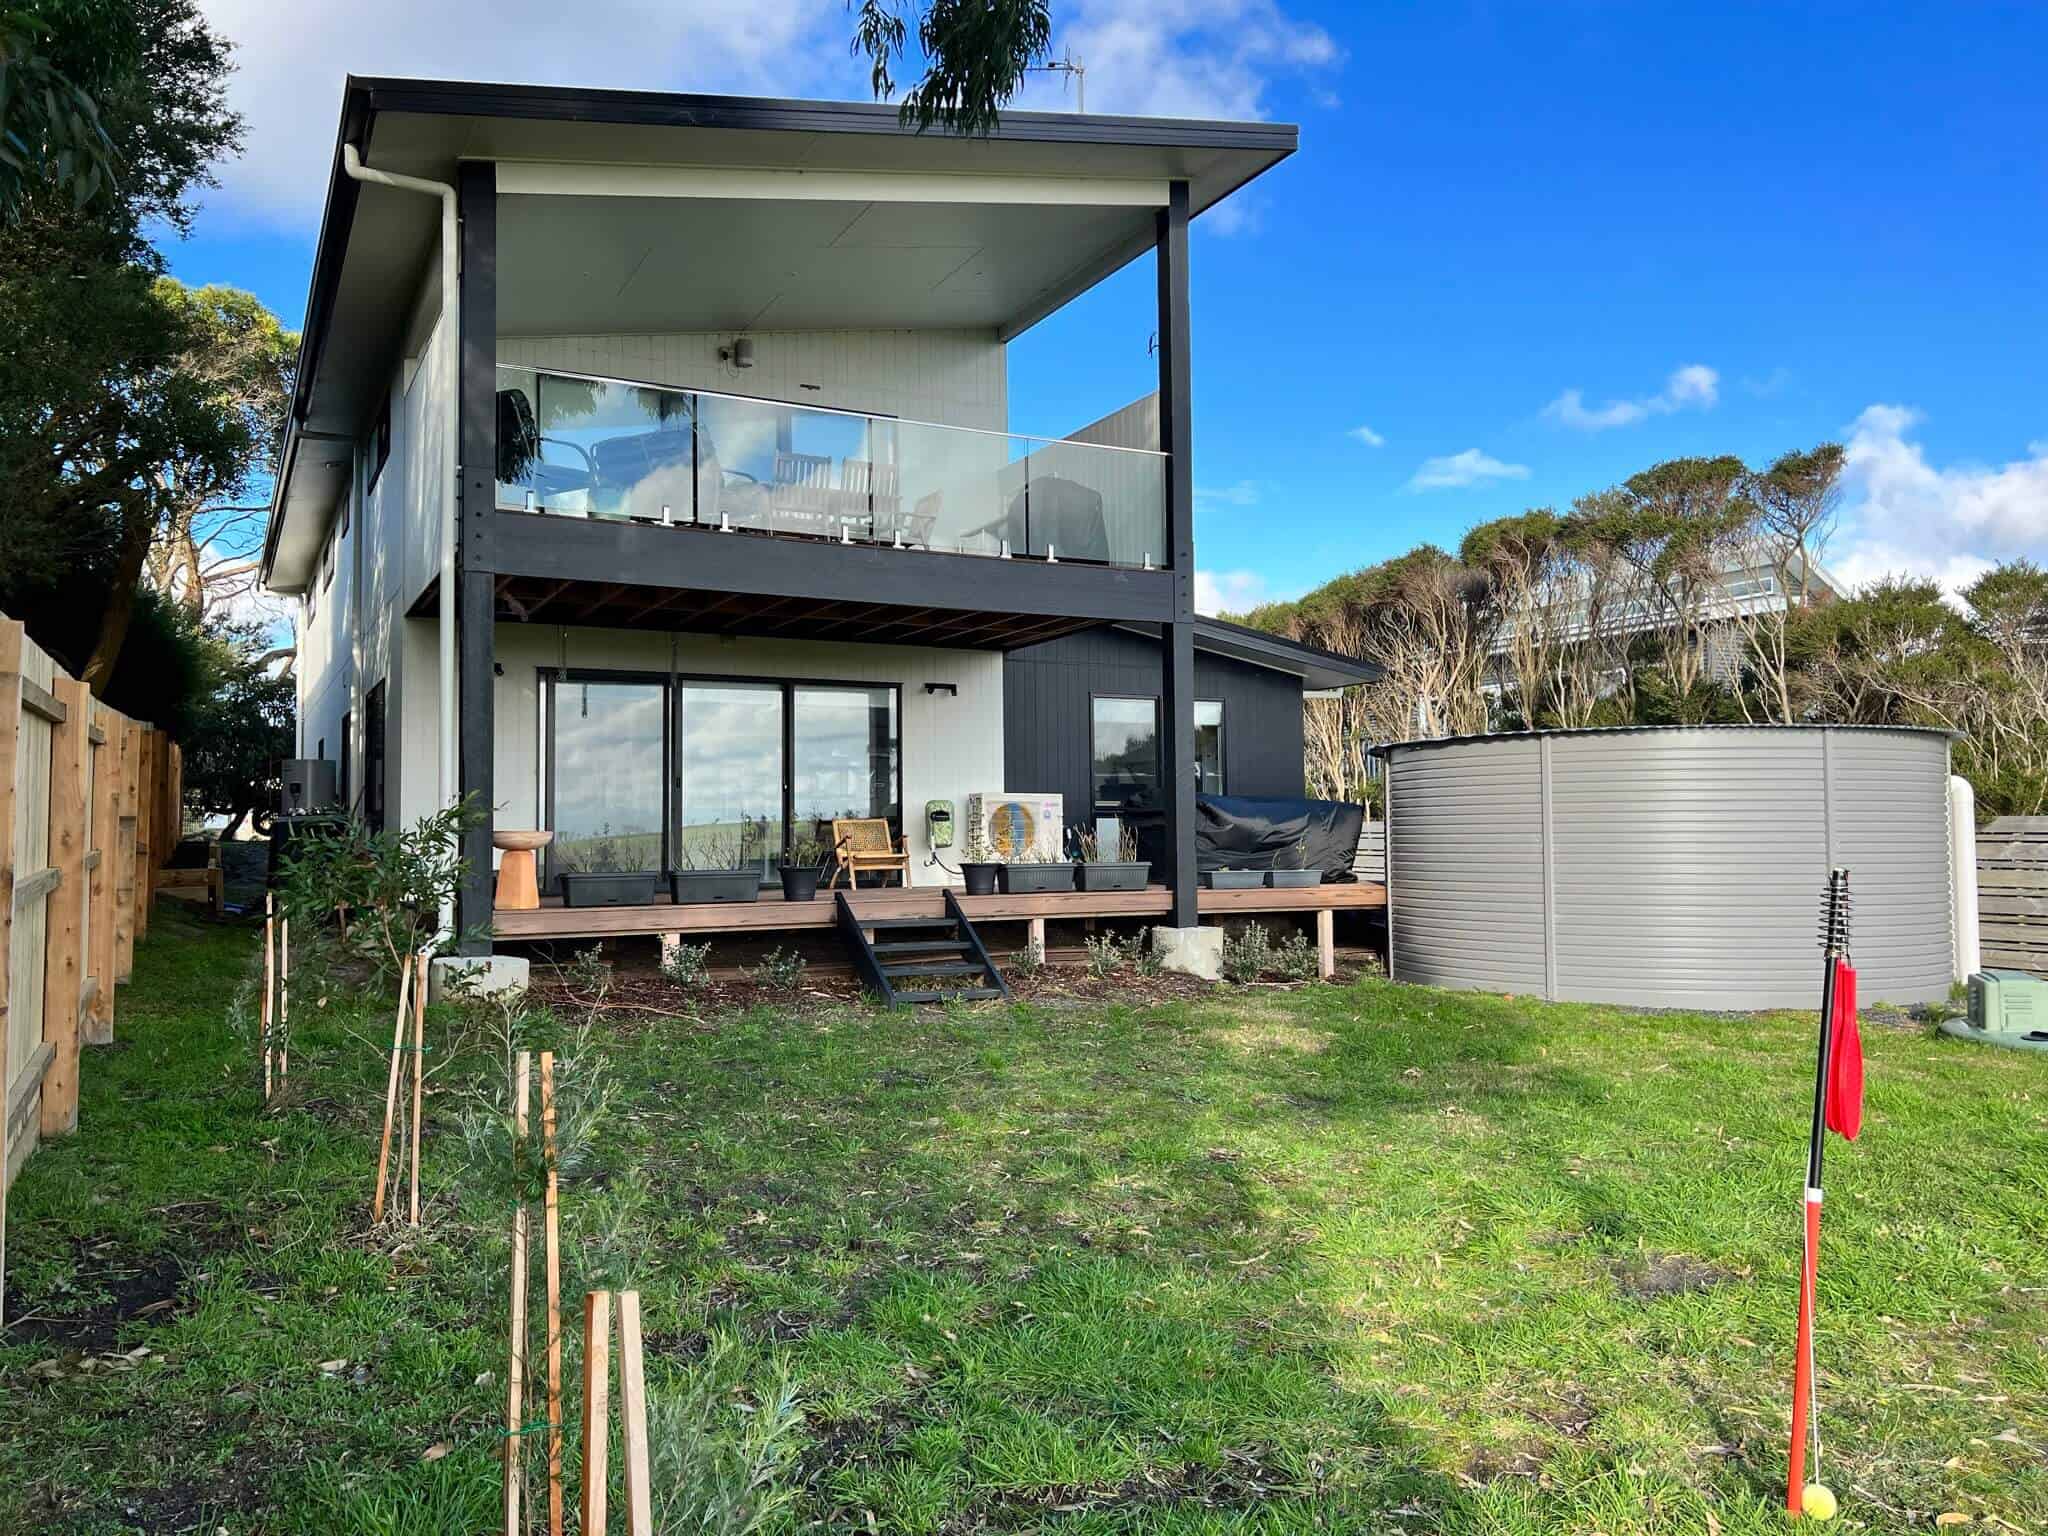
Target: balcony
[574,445]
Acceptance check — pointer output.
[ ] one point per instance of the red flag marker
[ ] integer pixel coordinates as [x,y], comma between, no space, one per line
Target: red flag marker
[1837,1105]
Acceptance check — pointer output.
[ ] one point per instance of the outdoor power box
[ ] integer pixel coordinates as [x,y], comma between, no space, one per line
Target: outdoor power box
[305,784]
[2008,1003]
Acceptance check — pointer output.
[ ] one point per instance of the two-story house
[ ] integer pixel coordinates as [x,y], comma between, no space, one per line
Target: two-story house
[651,474]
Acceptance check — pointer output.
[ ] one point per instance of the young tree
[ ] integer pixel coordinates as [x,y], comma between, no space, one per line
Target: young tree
[1798,499]
[1521,559]
[975,53]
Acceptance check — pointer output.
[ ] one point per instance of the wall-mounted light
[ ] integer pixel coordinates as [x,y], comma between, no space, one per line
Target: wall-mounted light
[952,690]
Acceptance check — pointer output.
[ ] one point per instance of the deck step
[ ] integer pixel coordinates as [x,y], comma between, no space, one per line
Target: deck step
[927,948]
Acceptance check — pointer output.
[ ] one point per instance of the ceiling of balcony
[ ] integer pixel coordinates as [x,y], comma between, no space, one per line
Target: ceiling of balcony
[570,264]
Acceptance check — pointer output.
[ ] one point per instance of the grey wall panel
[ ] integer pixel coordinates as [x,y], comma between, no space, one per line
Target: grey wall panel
[1688,866]
[1674,868]
[1465,845]
[1897,854]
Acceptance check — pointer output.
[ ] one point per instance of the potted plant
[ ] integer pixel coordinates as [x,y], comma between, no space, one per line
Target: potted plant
[1034,871]
[981,866]
[1299,877]
[1123,872]
[801,867]
[594,874]
[709,869]
[1234,879]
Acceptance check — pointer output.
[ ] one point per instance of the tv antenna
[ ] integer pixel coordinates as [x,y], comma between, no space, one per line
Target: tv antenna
[1074,70]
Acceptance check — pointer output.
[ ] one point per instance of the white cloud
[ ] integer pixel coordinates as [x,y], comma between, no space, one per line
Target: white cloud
[1367,436]
[1244,493]
[1905,516]
[1692,387]
[1186,58]
[290,60]
[1230,591]
[1459,469]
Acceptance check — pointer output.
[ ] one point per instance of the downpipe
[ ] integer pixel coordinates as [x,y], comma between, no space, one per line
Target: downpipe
[450,782]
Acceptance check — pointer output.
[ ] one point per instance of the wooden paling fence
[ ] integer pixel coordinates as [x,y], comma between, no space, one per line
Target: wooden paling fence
[89,801]
[2012,892]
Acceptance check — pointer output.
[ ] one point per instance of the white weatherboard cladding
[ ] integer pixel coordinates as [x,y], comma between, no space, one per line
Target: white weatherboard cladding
[1673,868]
[952,746]
[953,378]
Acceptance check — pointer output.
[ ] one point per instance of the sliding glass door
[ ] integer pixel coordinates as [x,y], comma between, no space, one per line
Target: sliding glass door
[729,776]
[648,772]
[843,743]
[605,773]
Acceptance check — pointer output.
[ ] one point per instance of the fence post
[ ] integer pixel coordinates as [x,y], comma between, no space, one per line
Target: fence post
[10,736]
[145,828]
[124,852]
[98,1028]
[63,968]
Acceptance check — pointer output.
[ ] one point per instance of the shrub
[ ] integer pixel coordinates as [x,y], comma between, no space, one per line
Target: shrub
[1105,955]
[1145,955]
[782,970]
[687,965]
[1028,961]
[1247,955]
[1296,958]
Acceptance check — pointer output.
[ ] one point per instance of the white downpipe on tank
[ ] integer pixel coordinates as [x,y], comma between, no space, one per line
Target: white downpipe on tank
[352,162]
[1962,864]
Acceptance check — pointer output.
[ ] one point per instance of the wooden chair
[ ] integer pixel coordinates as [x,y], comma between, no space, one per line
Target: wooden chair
[865,844]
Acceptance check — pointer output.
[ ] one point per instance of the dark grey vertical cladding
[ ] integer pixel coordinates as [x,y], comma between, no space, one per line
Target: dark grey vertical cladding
[1177,673]
[1048,725]
[475,564]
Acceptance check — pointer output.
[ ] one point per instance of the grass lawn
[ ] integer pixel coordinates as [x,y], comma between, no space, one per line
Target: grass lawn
[1341,1258]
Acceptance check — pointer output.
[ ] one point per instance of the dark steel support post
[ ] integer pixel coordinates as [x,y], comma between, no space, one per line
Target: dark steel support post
[1177,690]
[475,564]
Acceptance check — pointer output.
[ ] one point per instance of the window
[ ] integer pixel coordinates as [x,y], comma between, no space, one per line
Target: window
[1209,746]
[327,561]
[380,442]
[373,758]
[346,805]
[752,764]
[1126,754]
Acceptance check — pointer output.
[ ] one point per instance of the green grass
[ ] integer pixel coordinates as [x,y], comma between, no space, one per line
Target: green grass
[1363,1258]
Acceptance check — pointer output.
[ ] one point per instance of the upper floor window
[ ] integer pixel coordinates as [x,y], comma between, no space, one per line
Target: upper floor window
[380,443]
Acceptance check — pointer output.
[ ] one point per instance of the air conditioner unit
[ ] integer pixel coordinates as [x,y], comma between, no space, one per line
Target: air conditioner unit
[1008,828]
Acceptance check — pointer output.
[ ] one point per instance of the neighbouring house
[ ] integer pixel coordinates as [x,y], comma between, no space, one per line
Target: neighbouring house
[651,478]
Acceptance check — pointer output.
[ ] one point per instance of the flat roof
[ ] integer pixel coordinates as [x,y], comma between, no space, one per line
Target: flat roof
[375,243]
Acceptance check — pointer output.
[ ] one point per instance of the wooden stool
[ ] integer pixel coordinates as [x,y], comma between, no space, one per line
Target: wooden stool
[518,883]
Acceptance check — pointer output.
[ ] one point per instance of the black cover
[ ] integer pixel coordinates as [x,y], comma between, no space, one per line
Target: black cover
[1237,832]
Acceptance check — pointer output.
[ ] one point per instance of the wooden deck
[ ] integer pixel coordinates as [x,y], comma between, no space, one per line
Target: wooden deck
[772,914]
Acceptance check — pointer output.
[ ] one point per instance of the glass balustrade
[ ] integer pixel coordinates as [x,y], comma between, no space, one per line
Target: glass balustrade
[586,447]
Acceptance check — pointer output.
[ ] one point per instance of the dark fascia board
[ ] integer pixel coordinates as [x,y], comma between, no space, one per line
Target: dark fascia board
[1315,666]
[364,96]
[703,559]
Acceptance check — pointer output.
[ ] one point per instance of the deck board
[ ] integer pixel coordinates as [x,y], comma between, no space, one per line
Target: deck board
[772,914]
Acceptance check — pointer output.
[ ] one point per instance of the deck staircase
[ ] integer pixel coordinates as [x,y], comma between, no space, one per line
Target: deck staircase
[918,959]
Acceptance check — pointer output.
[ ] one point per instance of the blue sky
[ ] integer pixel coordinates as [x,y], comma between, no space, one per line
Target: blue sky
[1727,228]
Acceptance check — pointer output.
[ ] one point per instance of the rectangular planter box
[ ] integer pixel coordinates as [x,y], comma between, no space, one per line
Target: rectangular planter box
[594,890]
[1293,879]
[1235,879]
[690,887]
[1113,877]
[1032,879]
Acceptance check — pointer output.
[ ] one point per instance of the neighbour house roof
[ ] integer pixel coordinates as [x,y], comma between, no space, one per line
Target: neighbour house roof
[794,215]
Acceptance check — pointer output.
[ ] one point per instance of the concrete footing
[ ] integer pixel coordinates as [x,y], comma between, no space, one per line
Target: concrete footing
[1190,951]
[475,975]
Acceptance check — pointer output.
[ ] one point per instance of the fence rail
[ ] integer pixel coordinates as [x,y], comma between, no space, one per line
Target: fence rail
[89,800]
[2012,892]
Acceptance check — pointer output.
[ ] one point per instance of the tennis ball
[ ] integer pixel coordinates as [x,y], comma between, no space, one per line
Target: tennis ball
[1818,1501]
